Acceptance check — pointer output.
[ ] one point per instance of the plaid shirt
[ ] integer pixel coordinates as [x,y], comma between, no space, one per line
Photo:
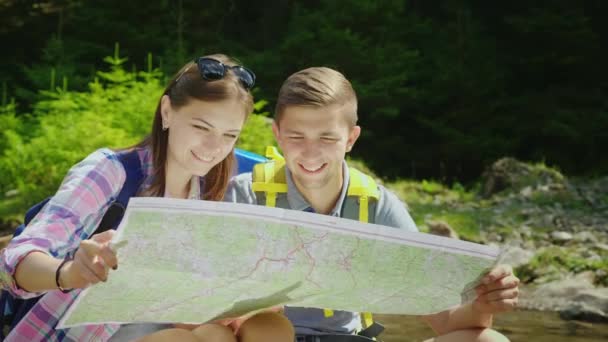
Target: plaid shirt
[71,215]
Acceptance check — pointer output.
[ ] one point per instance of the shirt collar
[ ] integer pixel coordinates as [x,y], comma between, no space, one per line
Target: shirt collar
[297,201]
[195,188]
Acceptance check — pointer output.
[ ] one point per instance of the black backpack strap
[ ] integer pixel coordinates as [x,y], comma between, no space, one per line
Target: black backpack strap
[333,338]
[135,177]
[372,331]
[366,335]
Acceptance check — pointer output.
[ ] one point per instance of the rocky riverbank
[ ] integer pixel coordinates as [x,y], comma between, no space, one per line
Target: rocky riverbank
[552,229]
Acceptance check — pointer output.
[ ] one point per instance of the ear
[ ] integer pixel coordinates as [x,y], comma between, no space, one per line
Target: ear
[354,134]
[275,131]
[165,110]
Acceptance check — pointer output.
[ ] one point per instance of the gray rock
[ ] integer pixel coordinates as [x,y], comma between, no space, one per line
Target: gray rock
[526,192]
[516,256]
[557,295]
[442,228]
[590,255]
[525,231]
[585,236]
[588,305]
[494,237]
[601,246]
[561,237]
[529,245]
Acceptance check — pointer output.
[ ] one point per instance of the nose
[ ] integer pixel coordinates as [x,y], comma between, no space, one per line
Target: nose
[310,149]
[212,143]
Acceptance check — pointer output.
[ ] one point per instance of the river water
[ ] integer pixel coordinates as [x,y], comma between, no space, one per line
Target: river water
[518,326]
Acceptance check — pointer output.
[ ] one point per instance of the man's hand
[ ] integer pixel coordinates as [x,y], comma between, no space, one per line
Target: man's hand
[498,291]
[91,262]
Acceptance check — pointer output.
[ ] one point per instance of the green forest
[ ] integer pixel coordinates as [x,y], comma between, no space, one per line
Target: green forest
[445,87]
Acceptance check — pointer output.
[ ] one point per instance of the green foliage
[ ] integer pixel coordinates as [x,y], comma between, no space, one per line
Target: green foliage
[433,201]
[431,187]
[257,133]
[69,125]
[444,88]
[9,123]
[552,261]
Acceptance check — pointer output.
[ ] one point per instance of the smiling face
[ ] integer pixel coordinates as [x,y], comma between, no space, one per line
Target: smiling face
[314,141]
[201,134]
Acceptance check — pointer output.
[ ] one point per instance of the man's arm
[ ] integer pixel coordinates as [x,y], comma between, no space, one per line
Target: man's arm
[498,292]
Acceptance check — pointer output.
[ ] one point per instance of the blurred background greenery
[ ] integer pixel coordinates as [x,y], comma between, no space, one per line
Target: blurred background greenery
[445,87]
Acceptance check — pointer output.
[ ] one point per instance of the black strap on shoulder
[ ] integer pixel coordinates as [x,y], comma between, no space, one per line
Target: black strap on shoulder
[373,330]
[366,335]
[333,338]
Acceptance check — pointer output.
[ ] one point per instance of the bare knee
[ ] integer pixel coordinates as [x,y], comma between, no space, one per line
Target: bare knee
[267,327]
[174,334]
[476,335]
[491,335]
[214,332]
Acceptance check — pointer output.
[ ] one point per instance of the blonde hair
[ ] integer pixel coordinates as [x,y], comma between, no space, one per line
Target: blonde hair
[318,87]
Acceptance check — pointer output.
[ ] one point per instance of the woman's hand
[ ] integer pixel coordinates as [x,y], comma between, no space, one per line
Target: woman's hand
[91,262]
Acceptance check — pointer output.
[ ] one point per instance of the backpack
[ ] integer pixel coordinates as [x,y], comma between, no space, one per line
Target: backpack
[14,309]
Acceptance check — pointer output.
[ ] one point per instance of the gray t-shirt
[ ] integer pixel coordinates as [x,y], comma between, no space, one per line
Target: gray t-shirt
[389,211]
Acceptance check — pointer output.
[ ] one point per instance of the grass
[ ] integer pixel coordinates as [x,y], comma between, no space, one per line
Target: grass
[10,208]
[433,201]
[554,260]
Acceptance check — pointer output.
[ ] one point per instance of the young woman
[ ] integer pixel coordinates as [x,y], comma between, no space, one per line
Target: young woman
[188,154]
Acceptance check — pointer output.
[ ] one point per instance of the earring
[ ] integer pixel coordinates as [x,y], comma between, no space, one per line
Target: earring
[165,126]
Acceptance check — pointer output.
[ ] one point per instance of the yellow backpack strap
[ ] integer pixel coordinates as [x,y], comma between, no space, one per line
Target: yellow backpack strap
[368,320]
[269,177]
[364,187]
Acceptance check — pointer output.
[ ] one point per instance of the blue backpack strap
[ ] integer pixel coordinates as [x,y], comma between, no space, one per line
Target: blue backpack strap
[134,178]
[245,160]
[132,165]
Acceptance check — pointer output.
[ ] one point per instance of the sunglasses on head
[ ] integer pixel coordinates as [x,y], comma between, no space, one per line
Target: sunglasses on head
[212,70]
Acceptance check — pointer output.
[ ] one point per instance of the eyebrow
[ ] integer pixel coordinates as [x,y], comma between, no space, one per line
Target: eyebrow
[323,134]
[236,130]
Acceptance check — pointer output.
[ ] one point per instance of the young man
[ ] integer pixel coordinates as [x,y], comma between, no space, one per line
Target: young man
[315,125]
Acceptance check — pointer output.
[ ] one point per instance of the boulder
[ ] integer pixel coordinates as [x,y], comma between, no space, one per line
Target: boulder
[442,228]
[516,256]
[561,237]
[588,305]
[509,173]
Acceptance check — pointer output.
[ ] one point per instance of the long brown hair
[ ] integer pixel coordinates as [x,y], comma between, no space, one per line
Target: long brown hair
[185,85]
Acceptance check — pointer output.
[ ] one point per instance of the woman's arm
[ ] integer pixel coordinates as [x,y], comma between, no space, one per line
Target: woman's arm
[70,217]
[37,272]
